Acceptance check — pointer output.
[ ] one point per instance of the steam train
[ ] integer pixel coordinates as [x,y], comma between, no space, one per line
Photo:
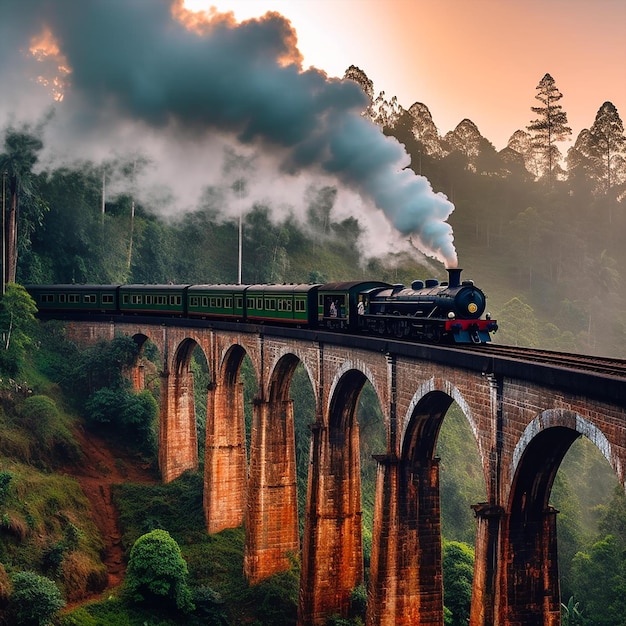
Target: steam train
[429,311]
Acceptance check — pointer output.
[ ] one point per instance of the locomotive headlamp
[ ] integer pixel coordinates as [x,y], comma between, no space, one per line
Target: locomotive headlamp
[472,307]
[487,316]
[451,315]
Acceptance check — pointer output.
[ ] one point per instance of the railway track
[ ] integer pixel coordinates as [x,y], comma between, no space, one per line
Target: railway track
[577,362]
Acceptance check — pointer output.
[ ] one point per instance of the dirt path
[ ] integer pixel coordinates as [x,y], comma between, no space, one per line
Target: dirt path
[97,474]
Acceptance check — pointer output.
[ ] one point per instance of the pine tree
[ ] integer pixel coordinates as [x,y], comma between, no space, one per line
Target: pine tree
[607,147]
[550,126]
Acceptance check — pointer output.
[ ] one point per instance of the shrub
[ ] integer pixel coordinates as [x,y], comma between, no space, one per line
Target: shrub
[157,571]
[40,415]
[35,599]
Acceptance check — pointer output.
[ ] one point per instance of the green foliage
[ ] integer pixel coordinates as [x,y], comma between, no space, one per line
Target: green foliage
[458,573]
[158,573]
[5,481]
[571,615]
[276,598]
[34,600]
[518,324]
[599,582]
[104,364]
[17,322]
[40,416]
[462,483]
[144,508]
[130,415]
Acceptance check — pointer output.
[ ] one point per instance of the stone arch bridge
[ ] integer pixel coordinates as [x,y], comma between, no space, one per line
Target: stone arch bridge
[524,417]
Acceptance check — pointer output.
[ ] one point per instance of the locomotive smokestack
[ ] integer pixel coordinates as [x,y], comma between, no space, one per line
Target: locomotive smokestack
[454,277]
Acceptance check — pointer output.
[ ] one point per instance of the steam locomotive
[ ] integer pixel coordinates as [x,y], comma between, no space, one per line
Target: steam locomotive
[430,311]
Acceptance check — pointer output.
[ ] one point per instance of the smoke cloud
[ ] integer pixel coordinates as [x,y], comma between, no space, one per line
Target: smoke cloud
[148,76]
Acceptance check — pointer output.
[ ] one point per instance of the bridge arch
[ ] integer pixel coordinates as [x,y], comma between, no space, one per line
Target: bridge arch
[570,420]
[346,388]
[272,535]
[178,436]
[332,554]
[225,462]
[529,530]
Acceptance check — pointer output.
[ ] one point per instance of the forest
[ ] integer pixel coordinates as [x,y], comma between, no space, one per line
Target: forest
[539,231]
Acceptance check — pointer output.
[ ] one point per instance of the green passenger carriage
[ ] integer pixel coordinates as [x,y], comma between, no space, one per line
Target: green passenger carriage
[287,304]
[151,299]
[73,298]
[224,301]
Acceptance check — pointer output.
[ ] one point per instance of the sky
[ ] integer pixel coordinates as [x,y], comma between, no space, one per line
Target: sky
[476,59]
[213,99]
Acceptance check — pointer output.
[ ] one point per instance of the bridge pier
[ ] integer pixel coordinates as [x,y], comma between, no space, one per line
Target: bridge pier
[225,469]
[485,590]
[332,554]
[530,577]
[178,438]
[406,585]
[272,512]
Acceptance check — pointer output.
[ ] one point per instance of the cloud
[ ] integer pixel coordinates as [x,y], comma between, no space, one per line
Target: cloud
[150,77]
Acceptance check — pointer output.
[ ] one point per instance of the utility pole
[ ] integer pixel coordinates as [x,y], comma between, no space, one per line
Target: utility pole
[4,251]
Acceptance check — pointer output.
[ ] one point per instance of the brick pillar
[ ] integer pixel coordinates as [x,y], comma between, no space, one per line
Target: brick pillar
[136,375]
[332,554]
[486,564]
[178,439]
[406,585]
[272,511]
[383,583]
[225,470]
[531,577]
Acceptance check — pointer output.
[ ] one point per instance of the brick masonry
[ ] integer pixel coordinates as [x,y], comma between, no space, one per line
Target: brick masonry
[522,431]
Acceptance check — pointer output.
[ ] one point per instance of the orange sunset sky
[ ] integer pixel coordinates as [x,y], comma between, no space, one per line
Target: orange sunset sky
[476,59]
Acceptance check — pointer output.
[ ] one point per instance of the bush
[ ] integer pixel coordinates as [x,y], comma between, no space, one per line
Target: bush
[35,599]
[132,413]
[40,416]
[157,571]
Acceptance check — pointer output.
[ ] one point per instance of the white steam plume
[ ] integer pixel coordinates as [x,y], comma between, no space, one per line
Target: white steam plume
[150,77]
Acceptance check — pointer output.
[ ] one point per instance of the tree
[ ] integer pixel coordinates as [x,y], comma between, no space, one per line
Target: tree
[606,147]
[17,320]
[424,129]
[550,126]
[458,573]
[158,572]
[16,164]
[34,600]
[599,582]
[517,324]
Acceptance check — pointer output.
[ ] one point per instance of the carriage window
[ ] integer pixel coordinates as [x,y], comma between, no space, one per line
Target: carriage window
[300,305]
[136,299]
[175,300]
[74,298]
[62,298]
[259,304]
[205,301]
[107,298]
[212,302]
[270,304]
[284,304]
[148,299]
[125,298]
[228,303]
[47,297]
[239,302]
[193,301]
[89,298]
